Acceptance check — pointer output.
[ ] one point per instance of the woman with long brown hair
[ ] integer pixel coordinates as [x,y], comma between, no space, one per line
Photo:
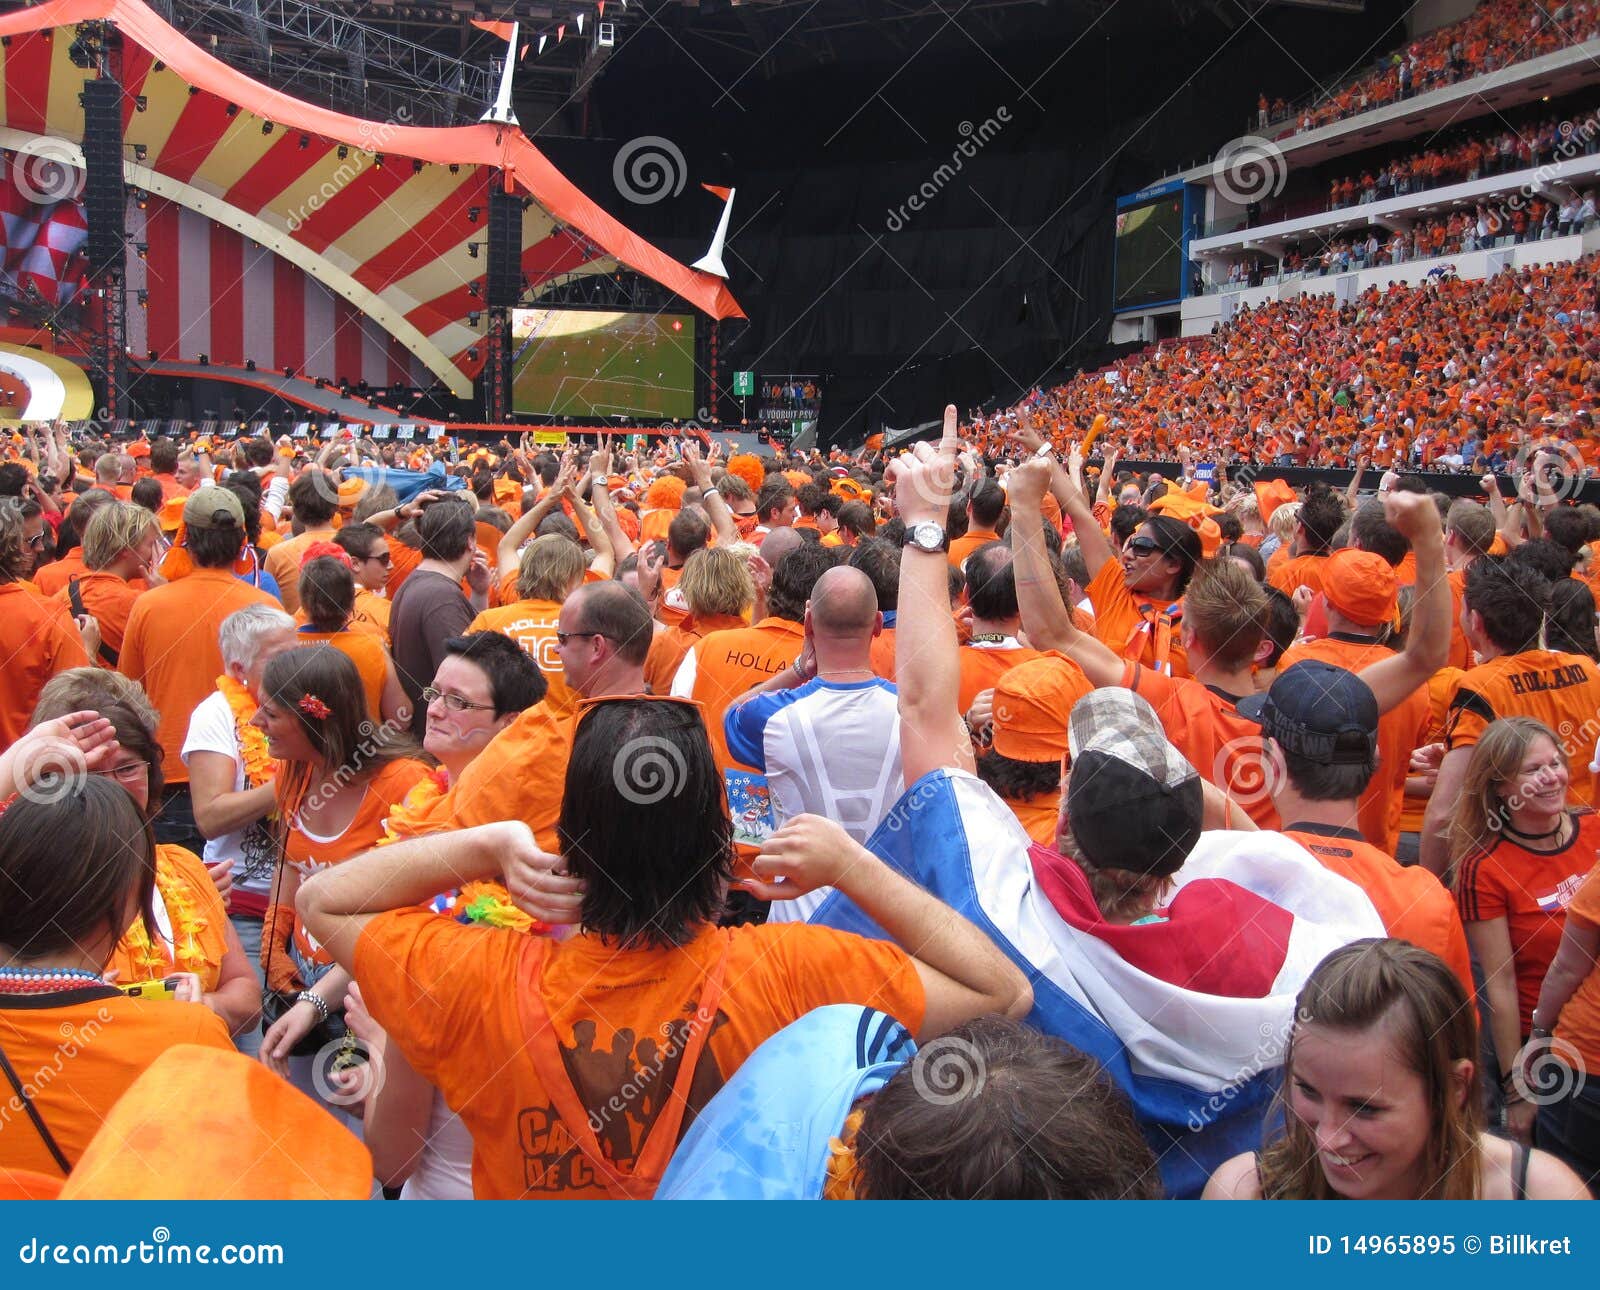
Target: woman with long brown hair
[340,776]
[1520,856]
[1381,1095]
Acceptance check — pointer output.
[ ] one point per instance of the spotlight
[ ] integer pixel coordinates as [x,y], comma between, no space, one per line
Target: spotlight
[472,249]
[377,160]
[205,360]
[141,103]
[144,300]
[344,151]
[266,127]
[250,365]
[416,166]
[473,317]
[455,168]
[288,373]
[233,109]
[472,289]
[305,140]
[472,356]
[140,152]
[193,90]
[472,214]
[155,356]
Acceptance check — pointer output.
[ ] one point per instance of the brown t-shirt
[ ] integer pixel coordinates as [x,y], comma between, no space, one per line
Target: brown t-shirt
[428,610]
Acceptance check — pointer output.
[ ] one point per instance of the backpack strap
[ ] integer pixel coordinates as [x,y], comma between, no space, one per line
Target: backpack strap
[75,596]
[21,1091]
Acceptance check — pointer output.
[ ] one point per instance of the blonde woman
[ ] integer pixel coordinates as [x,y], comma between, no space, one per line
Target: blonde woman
[1520,856]
[1381,1098]
[121,546]
[718,591]
[1279,543]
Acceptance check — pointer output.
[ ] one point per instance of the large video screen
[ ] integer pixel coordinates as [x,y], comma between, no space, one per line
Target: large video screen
[590,363]
[1149,253]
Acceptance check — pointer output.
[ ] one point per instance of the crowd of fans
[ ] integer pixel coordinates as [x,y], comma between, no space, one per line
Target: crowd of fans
[1409,376]
[1496,34]
[943,824]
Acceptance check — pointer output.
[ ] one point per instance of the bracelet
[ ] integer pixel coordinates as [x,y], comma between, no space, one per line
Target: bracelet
[316,1001]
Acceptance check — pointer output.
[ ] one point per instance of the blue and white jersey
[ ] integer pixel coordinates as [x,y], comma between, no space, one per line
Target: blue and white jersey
[827,748]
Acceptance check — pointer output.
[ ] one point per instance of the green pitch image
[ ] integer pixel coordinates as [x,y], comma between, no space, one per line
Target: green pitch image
[588,363]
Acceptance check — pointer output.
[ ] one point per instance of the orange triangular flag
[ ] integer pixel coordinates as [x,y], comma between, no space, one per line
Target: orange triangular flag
[500,29]
[561,33]
[723,193]
[524,52]
[600,9]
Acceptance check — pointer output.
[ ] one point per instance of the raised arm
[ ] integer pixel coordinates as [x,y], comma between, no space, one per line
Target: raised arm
[932,733]
[1428,644]
[1046,620]
[1354,491]
[715,504]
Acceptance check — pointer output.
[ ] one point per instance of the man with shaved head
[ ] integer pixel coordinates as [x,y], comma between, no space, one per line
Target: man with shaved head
[826,730]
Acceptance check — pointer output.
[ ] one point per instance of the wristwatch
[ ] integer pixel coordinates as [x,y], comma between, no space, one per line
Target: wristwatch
[928,536]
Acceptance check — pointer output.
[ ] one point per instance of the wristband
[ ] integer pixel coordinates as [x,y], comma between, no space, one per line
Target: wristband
[316,1001]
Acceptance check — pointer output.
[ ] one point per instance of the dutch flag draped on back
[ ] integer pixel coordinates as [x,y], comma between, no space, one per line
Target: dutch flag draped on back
[1190,1016]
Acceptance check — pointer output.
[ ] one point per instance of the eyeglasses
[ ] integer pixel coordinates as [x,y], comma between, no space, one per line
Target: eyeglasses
[563,637]
[132,773]
[454,701]
[1142,546]
[37,541]
[744,515]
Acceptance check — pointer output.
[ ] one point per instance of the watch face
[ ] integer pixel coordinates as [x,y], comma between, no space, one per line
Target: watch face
[927,535]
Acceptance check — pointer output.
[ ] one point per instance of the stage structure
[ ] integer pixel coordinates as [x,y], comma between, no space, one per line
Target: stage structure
[266,230]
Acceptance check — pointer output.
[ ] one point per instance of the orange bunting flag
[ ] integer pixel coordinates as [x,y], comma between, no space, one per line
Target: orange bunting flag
[500,29]
[723,193]
[561,33]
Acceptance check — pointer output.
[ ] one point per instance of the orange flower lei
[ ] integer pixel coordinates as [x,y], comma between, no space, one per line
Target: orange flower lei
[151,961]
[258,766]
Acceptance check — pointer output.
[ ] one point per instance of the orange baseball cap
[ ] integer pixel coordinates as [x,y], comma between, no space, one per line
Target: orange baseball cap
[1361,585]
[212,1124]
[138,449]
[1031,703]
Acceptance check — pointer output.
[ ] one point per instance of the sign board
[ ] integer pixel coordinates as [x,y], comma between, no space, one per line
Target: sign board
[1206,474]
[550,438]
[744,384]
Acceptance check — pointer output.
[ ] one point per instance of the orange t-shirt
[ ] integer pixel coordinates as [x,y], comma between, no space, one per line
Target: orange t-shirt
[1531,891]
[183,888]
[366,651]
[1041,817]
[521,774]
[448,994]
[1440,687]
[726,664]
[1300,571]
[109,599]
[667,647]
[310,854]
[37,639]
[283,563]
[1579,1023]
[403,560]
[95,1042]
[1121,620]
[1561,690]
[170,647]
[983,664]
[1401,731]
[1222,746]
[1413,904]
[969,542]
[532,624]
[1460,655]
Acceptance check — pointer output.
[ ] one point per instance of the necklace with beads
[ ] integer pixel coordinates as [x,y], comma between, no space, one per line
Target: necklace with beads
[19,980]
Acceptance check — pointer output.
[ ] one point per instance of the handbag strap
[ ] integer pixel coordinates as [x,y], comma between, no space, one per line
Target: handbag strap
[33,1113]
[75,595]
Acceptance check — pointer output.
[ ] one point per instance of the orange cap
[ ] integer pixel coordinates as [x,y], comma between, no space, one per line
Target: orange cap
[171,515]
[1031,703]
[1361,586]
[243,1133]
[350,491]
[1270,495]
[138,449]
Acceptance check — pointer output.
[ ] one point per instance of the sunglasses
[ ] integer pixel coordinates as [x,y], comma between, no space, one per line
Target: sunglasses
[1142,546]
[382,557]
[563,637]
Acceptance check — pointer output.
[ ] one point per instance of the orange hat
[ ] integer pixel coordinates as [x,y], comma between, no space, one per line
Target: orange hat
[747,466]
[1031,704]
[851,490]
[506,490]
[1361,585]
[330,549]
[171,514]
[138,449]
[242,1133]
[1271,495]
[350,491]
[1180,505]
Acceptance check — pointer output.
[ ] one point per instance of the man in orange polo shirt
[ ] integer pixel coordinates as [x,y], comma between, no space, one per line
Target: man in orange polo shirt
[551,569]
[120,553]
[1360,591]
[315,497]
[1322,726]
[984,508]
[37,637]
[171,645]
[52,577]
[993,648]
[1319,520]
